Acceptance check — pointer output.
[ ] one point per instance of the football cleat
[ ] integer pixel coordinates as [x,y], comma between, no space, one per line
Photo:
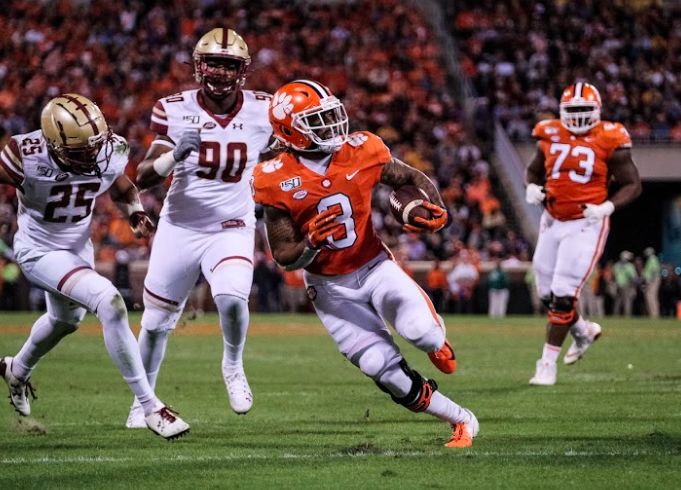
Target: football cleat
[444,359]
[18,391]
[240,395]
[582,342]
[164,422]
[545,374]
[463,433]
[136,418]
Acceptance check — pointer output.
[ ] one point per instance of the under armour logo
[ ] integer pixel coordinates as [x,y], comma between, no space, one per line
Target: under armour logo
[237,126]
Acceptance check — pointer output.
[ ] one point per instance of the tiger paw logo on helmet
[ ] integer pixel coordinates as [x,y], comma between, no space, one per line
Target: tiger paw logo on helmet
[281,105]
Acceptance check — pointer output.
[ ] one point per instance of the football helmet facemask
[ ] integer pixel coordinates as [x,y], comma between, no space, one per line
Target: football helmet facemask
[306,116]
[220,62]
[75,131]
[580,108]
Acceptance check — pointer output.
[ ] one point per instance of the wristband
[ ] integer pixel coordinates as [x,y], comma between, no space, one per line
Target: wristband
[165,164]
[309,245]
[450,218]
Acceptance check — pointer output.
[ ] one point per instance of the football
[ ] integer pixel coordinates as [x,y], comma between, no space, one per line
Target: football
[406,205]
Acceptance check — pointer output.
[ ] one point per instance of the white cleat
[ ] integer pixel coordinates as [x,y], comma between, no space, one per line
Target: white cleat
[18,391]
[163,421]
[545,375]
[136,418]
[240,395]
[582,342]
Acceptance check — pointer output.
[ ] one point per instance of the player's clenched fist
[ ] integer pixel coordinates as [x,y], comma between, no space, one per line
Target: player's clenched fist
[321,228]
[439,219]
[189,142]
[141,224]
[534,194]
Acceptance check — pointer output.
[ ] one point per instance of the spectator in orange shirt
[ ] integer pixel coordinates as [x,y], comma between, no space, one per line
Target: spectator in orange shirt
[436,281]
[294,295]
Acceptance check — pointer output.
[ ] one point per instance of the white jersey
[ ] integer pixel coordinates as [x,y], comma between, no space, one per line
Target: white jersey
[210,190]
[55,207]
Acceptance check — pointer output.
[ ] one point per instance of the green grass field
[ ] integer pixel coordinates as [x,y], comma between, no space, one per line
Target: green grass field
[612,421]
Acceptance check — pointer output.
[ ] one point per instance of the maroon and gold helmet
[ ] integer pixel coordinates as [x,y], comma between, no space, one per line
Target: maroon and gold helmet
[75,131]
[220,62]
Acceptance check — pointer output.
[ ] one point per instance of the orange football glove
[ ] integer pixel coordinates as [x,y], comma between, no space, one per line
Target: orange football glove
[440,219]
[321,228]
[141,225]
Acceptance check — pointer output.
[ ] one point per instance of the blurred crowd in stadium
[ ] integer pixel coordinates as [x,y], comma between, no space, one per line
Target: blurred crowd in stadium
[521,55]
[386,68]
[381,59]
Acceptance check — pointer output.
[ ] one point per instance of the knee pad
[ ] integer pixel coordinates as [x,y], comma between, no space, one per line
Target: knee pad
[426,334]
[562,310]
[376,359]
[418,397]
[111,307]
[157,319]
[232,277]
[230,305]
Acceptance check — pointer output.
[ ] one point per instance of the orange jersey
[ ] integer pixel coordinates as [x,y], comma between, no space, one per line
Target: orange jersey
[287,184]
[576,165]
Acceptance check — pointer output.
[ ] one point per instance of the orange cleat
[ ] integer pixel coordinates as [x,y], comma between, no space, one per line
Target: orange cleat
[444,359]
[463,434]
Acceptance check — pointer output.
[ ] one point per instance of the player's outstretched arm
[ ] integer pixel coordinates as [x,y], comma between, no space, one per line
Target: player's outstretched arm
[290,248]
[623,169]
[396,173]
[126,197]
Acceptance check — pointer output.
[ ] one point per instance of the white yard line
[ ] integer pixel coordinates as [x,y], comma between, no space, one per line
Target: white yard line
[382,454]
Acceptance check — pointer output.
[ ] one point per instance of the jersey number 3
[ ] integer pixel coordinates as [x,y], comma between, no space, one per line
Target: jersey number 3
[229,163]
[340,205]
[586,158]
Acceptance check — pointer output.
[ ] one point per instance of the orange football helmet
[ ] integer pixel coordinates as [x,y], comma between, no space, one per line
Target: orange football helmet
[306,116]
[580,108]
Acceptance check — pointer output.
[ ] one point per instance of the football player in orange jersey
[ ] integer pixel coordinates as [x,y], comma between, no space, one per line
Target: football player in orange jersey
[317,202]
[569,174]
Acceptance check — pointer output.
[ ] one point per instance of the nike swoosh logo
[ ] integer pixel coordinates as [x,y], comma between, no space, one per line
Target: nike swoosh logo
[350,176]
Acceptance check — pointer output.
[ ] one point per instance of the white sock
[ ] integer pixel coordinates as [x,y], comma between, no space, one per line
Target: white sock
[122,347]
[445,409]
[550,353]
[579,328]
[45,334]
[152,345]
[234,318]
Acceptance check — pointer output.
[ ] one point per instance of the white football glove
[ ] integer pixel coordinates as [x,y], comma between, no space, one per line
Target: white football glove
[534,194]
[597,212]
[189,141]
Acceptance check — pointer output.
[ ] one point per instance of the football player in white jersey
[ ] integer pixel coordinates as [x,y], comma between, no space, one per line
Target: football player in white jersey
[210,139]
[59,170]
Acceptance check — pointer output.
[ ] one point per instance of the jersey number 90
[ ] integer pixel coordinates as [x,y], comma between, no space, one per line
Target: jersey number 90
[227,164]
